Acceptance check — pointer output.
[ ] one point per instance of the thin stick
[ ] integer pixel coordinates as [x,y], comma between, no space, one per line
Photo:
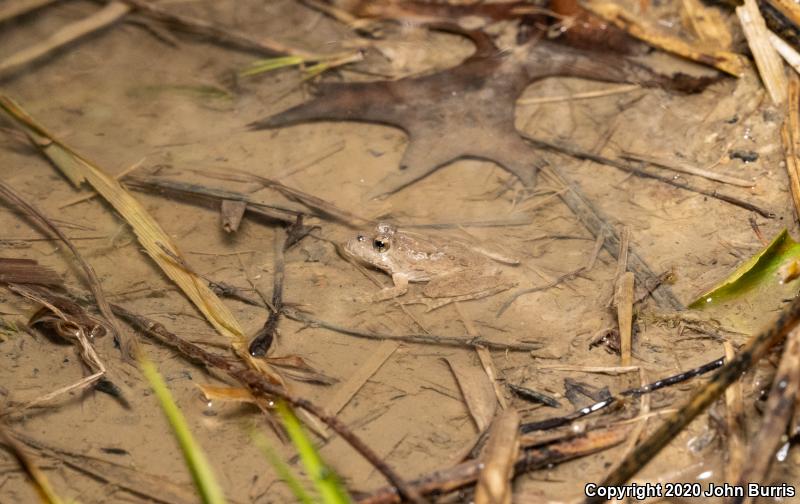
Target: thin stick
[734,420]
[755,348]
[108,15]
[685,168]
[551,423]
[580,154]
[779,408]
[43,487]
[613,90]
[598,224]
[425,339]
[534,457]
[209,195]
[260,386]
[262,45]
[11,196]
[641,418]
[263,339]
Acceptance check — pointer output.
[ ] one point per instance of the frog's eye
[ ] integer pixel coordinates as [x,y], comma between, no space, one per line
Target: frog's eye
[380,245]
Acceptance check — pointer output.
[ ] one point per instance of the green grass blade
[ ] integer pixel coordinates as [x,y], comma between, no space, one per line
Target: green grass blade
[325,480]
[283,470]
[203,477]
[270,64]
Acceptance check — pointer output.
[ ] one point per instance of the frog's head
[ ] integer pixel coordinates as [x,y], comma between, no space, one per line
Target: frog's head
[373,247]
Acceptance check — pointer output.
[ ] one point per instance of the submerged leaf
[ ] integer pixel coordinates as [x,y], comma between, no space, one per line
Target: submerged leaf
[761,270]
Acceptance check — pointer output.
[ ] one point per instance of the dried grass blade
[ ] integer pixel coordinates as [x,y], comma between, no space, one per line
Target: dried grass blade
[10,195]
[27,271]
[769,64]
[707,23]
[734,421]
[502,449]
[790,135]
[108,15]
[725,61]
[43,487]
[155,241]
[789,54]
[477,392]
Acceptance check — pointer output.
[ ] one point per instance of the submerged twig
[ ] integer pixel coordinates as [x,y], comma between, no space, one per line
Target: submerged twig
[119,476]
[426,339]
[780,406]
[563,278]
[535,455]
[303,197]
[681,167]
[43,487]
[598,224]
[210,195]
[10,10]
[755,348]
[108,15]
[552,423]
[628,168]
[263,339]
[258,385]
[11,196]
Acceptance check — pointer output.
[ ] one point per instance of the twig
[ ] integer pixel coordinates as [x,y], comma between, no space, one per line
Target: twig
[755,348]
[619,89]
[306,199]
[263,339]
[534,457]
[425,339]
[43,487]
[779,408]
[563,278]
[598,224]
[790,134]
[685,168]
[108,15]
[209,195]
[580,154]
[14,9]
[260,386]
[150,487]
[552,423]
[734,420]
[11,196]
[220,34]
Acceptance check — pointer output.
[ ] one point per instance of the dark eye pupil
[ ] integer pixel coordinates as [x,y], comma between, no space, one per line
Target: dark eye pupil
[379,245]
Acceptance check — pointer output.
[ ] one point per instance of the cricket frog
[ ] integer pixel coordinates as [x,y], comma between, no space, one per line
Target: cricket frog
[453,271]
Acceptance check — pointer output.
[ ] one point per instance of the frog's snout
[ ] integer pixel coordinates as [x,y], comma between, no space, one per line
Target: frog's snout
[361,238]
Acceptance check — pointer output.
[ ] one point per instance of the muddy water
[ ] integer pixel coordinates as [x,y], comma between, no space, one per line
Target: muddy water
[123,97]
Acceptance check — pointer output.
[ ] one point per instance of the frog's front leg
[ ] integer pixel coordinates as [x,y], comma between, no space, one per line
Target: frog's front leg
[399,288]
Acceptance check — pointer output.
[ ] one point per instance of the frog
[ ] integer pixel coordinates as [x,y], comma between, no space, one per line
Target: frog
[451,270]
